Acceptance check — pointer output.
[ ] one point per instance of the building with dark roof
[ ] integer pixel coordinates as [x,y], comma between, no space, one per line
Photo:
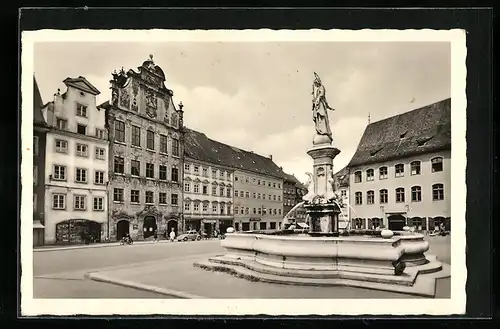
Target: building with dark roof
[40,129]
[341,181]
[76,169]
[257,182]
[146,154]
[293,191]
[400,173]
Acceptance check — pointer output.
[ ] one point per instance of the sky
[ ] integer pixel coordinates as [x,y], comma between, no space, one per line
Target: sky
[257,95]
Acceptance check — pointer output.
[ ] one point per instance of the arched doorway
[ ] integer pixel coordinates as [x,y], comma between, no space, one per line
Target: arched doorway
[149,226]
[78,231]
[172,224]
[396,222]
[122,228]
[437,221]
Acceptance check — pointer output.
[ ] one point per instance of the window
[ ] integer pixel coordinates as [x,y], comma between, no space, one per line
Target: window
[135,168]
[273,225]
[258,195]
[259,211]
[163,145]
[269,184]
[163,198]
[59,172]
[247,210]
[98,203]
[81,110]
[119,166]
[221,175]
[400,170]
[150,140]
[99,177]
[279,211]
[61,146]
[274,212]
[400,194]
[35,175]
[437,164]
[254,195]
[270,197]
[205,207]
[100,153]
[136,136]
[382,173]
[254,211]
[437,192]
[415,168]
[196,170]
[175,147]
[370,174]
[120,131]
[236,209]
[274,197]
[150,170]
[134,196]
[214,190]
[221,209]
[279,198]
[196,188]
[205,189]
[376,222]
[61,123]
[174,198]
[81,175]
[221,190]
[196,207]
[359,198]
[357,177]
[81,129]
[236,193]
[343,193]
[228,194]
[163,172]
[258,182]
[149,197]
[79,202]
[384,196]
[58,201]
[214,173]
[187,167]
[118,195]
[214,208]
[235,178]
[100,133]
[35,145]
[82,150]
[187,206]
[187,187]
[242,211]
[247,195]
[416,194]
[205,172]
[370,197]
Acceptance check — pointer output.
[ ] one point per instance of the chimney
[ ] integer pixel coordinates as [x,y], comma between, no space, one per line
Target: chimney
[270,156]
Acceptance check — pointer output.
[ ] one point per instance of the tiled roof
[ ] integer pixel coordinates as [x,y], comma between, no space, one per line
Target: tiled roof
[291,179]
[423,130]
[199,147]
[342,176]
[37,105]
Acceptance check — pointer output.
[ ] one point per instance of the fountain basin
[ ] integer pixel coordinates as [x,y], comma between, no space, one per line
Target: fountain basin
[354,260]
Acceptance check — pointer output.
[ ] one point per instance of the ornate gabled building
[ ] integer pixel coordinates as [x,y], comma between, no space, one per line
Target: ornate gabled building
[76,166]
[256,181]
[341,181]
[293,191]
[146,154]
[400,173]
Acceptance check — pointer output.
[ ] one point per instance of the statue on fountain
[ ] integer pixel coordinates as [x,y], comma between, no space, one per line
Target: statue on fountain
[320,109]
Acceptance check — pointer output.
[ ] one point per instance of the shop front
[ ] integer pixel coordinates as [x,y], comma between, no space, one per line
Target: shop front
[78,231]
[255,224]
[224,224]
[209,226]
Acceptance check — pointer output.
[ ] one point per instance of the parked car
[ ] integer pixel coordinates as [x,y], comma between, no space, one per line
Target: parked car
[189,236]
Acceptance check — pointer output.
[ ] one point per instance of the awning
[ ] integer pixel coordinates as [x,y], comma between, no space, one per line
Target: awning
[37,224]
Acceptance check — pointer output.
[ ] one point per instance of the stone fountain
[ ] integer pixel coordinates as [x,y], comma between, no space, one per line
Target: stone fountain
[389,261]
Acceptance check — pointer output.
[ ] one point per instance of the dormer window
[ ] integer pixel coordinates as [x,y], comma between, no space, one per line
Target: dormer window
[81,110]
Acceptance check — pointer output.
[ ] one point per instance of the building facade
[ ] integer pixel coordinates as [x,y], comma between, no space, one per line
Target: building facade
[401,172]
[293,191]
[341,179]
[76,166]
[256,181]
[208,196]
[40,129]
[145,153]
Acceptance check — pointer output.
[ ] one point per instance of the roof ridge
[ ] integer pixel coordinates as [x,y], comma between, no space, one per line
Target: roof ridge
[410,111]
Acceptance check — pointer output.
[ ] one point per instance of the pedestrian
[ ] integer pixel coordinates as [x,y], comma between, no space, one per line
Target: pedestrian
[172,235]
[155,236]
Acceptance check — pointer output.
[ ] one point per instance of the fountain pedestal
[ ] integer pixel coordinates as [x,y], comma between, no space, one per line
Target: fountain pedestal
[323,213]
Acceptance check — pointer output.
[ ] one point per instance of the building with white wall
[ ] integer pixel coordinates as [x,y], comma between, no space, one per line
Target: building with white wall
[76,166]
[400,173]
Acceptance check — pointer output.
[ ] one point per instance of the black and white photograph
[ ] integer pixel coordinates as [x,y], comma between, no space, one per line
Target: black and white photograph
[275,172]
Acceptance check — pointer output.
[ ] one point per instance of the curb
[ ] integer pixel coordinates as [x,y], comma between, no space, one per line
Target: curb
[103,245]
[139,286]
